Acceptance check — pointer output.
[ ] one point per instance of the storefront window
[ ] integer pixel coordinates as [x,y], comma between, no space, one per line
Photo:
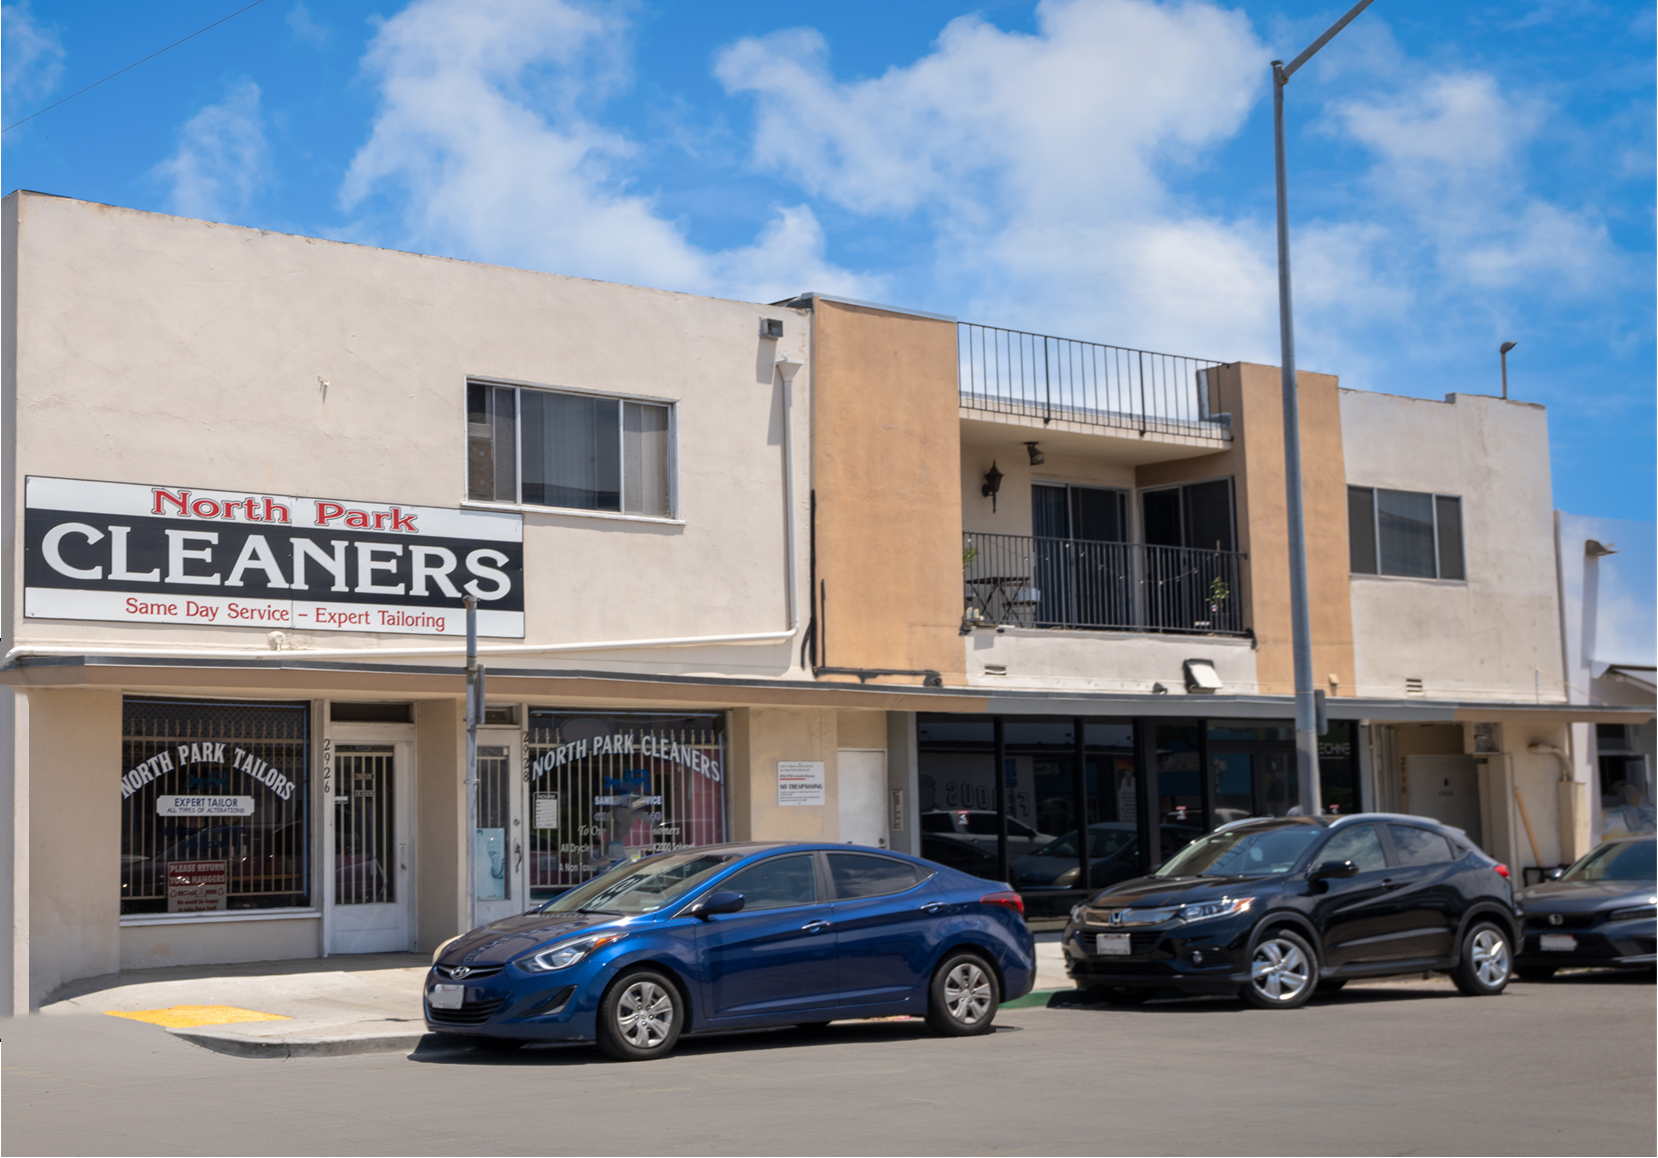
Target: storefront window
[214,806]
[1338,774]
[605,789]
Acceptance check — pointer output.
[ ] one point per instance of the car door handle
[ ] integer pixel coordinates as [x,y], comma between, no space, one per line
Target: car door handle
[934,907]
[814,926]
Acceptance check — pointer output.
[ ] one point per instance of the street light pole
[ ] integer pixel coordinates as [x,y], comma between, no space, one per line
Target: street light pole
[1502,352]
[474,716]
[1306,709]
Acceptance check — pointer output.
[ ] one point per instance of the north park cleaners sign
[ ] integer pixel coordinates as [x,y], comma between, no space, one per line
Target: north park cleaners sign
[152,554]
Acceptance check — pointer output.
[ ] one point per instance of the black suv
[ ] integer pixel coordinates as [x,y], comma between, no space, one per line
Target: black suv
[1273,909]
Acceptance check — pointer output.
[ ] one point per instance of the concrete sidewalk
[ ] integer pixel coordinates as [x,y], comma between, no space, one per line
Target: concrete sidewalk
[317,1007]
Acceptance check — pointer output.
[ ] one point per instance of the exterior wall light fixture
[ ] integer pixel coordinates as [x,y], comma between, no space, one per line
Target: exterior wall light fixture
[1037,458]
[992,484]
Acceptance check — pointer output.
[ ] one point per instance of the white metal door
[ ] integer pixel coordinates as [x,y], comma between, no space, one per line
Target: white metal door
[370,838]
[498,873]
[861,774]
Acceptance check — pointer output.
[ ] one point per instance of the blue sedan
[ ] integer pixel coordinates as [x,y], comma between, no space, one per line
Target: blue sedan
[738,936]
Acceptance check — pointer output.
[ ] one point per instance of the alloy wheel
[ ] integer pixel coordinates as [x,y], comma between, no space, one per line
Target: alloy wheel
[1490,954]
[644,1014]
[1279,971]
[967,993]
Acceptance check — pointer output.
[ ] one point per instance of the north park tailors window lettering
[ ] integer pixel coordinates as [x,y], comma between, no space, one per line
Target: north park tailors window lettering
[214,806]
[133,553]
[1405,533]
[584,452]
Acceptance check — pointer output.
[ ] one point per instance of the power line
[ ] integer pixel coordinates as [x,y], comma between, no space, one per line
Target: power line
[131,66]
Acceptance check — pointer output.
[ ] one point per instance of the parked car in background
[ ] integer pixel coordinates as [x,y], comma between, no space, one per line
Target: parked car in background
[1273,909]
[1600,912]
[979,827]
[738,936]
[1113,856]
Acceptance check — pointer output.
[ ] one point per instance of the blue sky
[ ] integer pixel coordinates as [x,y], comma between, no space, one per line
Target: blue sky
[1461,174]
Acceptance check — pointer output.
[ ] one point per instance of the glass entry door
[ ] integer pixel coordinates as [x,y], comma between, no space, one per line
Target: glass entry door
[371,849]
[498,871]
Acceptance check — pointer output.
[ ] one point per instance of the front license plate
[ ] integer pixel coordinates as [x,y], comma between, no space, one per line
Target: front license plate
[446,996]
[1112,944]
[1557,943]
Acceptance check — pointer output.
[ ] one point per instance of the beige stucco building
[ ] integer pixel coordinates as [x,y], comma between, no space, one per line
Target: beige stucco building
[741,574]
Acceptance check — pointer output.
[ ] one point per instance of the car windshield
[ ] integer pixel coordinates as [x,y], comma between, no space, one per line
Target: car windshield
[1242,853]
[1625,861]
[641,886]
[1101,842]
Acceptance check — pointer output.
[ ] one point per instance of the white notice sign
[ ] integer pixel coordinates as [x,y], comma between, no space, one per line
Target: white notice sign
[546,810]
[800,782]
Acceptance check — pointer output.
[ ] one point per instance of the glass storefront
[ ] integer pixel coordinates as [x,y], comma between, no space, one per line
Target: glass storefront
[612,787]
[214,806]
[1077,818]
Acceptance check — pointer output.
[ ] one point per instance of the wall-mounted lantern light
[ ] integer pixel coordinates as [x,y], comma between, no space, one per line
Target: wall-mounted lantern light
[992,484]
[1037,458]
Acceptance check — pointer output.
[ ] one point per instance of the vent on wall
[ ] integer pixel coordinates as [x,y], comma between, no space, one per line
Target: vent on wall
[995,669]
[1413,686]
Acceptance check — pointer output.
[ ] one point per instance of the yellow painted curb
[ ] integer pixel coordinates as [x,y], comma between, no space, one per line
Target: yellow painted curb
[188,1016]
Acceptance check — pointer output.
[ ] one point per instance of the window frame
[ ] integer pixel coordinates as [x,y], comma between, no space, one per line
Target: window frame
[1434,498]
[517,386]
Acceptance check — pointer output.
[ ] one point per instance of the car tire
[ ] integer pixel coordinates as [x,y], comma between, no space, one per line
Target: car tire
[1483,967]
[1283,971]
[640,1017]
[963,996]
[1534,972]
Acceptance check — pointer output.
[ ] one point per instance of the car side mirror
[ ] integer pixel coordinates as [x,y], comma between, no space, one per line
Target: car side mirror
[1333,869]
[716,903]
[1555,874]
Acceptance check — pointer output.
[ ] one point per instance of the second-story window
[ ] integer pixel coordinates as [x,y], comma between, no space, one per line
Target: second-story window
[1406,533]
[584,452]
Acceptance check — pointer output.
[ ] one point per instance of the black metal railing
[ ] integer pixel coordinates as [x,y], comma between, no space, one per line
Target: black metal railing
[1027,581]
[1011,372]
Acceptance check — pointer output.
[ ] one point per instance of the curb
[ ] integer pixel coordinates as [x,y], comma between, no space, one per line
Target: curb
[237,1045]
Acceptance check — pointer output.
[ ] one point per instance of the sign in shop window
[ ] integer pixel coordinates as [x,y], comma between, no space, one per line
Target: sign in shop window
[213,806]
[128,553]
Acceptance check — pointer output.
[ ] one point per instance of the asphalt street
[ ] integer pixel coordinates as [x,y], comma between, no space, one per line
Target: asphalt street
[1399,1067]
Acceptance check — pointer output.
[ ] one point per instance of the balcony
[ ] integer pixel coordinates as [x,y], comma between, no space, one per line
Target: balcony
[1033,376]
[1026,581]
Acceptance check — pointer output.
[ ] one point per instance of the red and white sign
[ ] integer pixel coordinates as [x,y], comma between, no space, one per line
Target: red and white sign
[196,886]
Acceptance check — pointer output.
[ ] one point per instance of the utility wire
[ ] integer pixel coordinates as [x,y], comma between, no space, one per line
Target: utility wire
[131,66]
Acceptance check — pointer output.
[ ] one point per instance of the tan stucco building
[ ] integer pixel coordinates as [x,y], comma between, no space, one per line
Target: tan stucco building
[744,571]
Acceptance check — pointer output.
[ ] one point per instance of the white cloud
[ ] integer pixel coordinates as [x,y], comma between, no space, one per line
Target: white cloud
[222,157]
[304,27]
[487,145]
[1043,162]
[33,57]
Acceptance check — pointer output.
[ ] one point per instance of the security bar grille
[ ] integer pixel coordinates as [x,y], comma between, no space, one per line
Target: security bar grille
[363,836]
[214,809]
[1037,376]
[619,788]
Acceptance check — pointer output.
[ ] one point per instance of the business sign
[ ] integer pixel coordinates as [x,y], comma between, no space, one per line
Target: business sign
[127,553]
[800,782]
[196,886]
[166,805]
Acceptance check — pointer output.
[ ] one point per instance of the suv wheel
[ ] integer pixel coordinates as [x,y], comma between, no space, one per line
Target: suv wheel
[1283,972]
[1483,968]
[640,1017]
[963,996]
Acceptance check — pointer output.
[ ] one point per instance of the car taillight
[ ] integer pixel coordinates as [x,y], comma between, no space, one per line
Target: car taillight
[1009,900]
[1501,869]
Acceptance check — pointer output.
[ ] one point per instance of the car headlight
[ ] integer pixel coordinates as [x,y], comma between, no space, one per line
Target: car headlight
[565,955]
[1643,912]
[1204,910]
[1068,877]
[438,952]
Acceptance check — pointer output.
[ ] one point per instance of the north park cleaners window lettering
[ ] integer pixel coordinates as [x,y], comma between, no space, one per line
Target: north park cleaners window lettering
[164,554]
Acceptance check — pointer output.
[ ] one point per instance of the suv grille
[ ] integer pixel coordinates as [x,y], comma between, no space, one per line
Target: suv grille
[470,1013]
[473,972]
[1542,924]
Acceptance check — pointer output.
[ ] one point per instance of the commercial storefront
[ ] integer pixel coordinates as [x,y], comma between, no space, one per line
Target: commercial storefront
[1078,814]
